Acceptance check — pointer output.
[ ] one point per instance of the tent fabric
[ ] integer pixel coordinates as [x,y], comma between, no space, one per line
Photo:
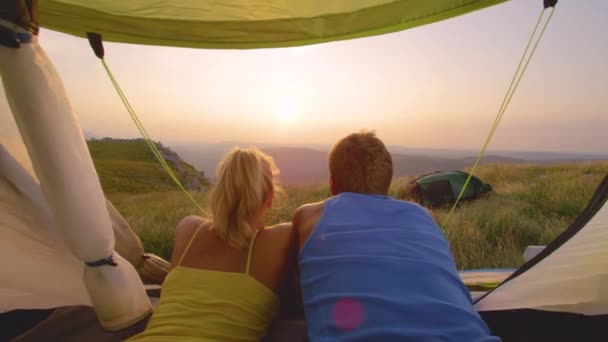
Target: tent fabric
[30,240]
[230,24]
[570,275]
[442,187]
[58,152]
[18,179]
[456,179]
[127,243]
[32,250]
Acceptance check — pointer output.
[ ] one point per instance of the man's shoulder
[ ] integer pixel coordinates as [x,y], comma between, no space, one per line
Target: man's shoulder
[305,218]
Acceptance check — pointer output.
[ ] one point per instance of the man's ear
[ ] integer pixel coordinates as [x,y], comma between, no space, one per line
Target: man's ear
[332,186]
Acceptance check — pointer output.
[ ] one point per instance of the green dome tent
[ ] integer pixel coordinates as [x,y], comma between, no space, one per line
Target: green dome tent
[52,213]
[442,187]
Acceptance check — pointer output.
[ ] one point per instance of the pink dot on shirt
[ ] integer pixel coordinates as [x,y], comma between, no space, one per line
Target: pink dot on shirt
[348,314]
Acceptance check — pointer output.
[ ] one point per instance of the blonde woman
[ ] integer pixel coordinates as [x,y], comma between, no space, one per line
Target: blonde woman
[226,271]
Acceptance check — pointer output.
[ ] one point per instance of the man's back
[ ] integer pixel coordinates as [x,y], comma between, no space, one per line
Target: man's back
[373,268]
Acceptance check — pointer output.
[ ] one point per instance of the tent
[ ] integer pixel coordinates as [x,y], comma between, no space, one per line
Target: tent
[442,187]
[562,292]
[68,234]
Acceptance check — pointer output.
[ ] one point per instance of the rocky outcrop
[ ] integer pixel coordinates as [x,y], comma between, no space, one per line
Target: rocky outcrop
[192,179]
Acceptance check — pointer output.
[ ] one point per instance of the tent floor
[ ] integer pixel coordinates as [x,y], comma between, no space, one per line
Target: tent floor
[79,323]
[16,322]
[526,325]
[70,323]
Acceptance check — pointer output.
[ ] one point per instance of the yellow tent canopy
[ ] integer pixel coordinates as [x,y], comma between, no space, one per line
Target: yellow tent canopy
[235,24]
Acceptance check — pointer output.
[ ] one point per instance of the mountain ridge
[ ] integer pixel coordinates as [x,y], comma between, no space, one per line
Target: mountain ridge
[128,165]
[306,165]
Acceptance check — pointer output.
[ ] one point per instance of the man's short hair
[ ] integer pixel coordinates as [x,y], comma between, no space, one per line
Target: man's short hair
[361,163]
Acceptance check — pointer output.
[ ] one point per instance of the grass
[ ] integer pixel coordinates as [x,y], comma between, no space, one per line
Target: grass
[132,176]
[119,149]
[129,166]
[529,205]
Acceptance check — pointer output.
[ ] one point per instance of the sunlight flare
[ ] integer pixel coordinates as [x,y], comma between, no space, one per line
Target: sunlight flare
[286,112]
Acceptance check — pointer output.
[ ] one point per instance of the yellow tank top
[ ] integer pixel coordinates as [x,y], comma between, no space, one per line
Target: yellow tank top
[206,305]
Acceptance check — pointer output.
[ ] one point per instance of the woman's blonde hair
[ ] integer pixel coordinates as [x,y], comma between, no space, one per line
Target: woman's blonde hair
[245,179]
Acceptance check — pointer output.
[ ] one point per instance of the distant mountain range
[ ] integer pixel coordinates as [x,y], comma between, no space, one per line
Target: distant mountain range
[303,165]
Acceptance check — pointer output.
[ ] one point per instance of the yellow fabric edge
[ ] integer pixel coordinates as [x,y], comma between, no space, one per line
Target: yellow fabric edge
[72,20]
[226,10]
[181,258]
[248,267]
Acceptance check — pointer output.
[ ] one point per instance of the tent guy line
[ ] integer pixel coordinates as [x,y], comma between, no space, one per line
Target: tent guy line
[548,4]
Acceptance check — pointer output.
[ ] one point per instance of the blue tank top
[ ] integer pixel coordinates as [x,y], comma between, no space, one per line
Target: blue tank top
[378,269]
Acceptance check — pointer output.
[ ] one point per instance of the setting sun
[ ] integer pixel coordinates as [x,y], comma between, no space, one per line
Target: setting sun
[286,111]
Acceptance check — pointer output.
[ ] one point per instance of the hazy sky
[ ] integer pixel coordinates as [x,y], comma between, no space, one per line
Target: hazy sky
[434,86]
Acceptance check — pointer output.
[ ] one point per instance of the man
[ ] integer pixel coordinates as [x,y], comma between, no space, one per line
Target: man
[374,268]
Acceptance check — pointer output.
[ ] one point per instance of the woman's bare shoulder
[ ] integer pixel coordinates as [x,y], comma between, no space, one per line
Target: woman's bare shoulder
[284,226]
[279,232]
[185,231]
[189,224]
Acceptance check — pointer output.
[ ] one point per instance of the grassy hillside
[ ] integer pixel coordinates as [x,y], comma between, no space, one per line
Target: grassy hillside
[530,205]
[120,149]
[130,166]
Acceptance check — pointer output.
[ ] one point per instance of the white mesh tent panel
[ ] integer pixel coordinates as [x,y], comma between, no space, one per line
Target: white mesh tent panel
[573,278]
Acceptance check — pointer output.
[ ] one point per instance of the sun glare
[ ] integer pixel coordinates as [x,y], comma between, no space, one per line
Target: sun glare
[286,112]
